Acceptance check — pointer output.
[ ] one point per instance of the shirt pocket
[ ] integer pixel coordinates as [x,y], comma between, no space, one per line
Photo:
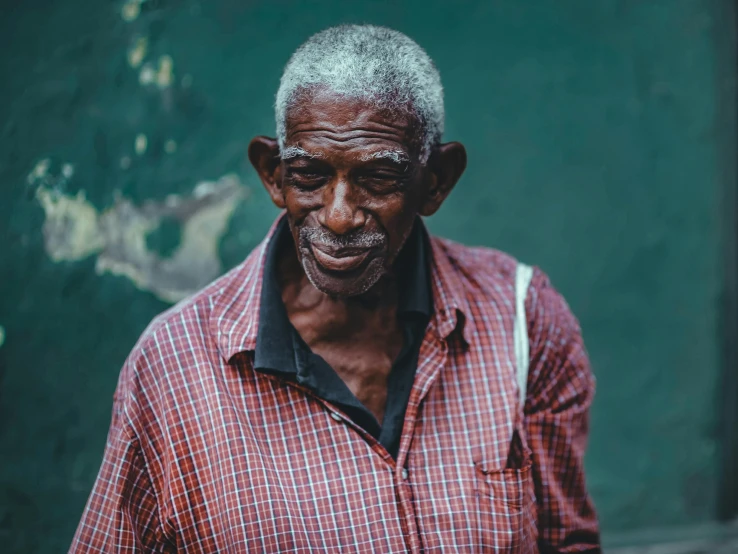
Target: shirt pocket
[507,510]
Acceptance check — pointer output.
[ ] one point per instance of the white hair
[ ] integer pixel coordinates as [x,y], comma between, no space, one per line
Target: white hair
[374,63]
[296,151]
[397,156]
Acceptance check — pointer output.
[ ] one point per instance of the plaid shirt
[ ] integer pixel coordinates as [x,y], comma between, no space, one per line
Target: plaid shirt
[205,454]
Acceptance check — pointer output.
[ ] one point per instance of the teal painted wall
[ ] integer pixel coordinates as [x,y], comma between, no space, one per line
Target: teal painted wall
[595,134]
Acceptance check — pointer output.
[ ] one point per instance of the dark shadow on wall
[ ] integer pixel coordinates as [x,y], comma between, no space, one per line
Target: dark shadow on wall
[728,496]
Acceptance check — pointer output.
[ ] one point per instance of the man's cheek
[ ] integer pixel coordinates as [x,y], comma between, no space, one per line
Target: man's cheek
[301,203]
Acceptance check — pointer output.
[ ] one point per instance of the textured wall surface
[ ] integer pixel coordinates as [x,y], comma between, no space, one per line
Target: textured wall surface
[594,133]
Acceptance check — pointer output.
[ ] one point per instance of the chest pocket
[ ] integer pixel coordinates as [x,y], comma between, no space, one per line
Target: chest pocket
[507,503]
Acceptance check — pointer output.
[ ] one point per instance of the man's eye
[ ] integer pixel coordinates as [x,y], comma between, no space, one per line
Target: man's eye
[382,176]
[306,178]
[308,175]
[382,180]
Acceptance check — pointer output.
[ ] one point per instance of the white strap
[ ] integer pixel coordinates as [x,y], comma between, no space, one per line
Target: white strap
[523,275]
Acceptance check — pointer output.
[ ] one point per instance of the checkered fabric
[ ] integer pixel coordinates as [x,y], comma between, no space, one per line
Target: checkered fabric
[206,455]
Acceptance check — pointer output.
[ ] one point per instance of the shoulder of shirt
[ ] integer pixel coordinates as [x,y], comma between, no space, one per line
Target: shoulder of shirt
[490,273]
[558,357]
[154,354]
[491,266]
[194,308]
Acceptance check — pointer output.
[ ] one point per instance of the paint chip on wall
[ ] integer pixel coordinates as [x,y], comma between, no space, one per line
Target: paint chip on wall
[141,144]
[74,229]
[147,75]
[137,52]
[39,171]
[165,75]
[131,10]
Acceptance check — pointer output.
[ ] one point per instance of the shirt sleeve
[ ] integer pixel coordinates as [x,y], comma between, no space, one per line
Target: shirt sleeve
[560,391]
[122,512]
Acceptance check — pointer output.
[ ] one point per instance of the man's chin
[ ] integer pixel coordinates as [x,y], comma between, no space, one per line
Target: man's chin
[342,284]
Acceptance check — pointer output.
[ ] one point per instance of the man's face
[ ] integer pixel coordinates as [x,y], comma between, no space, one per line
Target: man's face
[352,185]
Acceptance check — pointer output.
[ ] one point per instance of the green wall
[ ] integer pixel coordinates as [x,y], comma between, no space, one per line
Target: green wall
[595,133]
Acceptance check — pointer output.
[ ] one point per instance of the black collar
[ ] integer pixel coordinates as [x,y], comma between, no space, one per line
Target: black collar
[275,349]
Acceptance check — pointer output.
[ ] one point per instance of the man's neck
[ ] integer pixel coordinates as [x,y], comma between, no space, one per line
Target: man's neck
[332,317]
[359,337]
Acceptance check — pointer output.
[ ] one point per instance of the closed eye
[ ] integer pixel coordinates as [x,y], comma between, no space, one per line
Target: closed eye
[306,173]
[382,181]
[307,177]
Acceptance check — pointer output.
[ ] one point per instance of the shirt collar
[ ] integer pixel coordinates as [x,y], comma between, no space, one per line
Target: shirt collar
[274,340]
[234,318]
[413,273]
[236,314]
[449,291]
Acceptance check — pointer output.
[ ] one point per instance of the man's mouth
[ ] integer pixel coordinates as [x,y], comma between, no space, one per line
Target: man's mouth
[344,259]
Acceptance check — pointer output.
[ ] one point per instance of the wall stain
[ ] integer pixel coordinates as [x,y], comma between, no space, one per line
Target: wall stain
[137,52]
[74,229]
[131,10]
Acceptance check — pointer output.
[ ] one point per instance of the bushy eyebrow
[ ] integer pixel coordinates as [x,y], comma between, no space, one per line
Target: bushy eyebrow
[397,156]
[298,152]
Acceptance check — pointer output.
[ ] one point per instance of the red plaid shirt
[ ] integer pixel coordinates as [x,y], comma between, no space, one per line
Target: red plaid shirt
[205,454]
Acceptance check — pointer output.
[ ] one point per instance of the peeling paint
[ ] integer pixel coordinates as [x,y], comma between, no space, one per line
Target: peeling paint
[52,176]
[160,73]
[141,144]
[74,230]
[131,10]
[39,171]
[67,171]
[147,75]
[137,52]
[71,226]
[164,76]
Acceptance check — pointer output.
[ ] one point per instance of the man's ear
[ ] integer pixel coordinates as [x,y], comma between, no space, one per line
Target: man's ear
[446,164]
[264,156]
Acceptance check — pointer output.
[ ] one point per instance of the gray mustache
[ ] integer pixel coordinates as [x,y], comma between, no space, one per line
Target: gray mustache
[354,240]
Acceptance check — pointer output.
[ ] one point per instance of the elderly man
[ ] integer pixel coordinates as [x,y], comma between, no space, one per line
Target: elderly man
[355,385]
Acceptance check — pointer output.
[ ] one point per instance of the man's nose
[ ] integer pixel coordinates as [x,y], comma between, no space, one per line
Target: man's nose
[341,213]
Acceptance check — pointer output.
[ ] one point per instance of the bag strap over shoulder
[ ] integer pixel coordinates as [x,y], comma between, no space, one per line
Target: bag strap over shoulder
[523,275]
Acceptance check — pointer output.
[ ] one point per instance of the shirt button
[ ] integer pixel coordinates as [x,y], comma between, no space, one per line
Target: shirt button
[405,474]
[335,416]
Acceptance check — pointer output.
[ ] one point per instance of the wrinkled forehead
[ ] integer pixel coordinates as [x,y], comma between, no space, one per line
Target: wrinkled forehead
[324,123]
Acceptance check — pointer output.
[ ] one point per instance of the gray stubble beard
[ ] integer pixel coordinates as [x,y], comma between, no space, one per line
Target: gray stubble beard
[371,239]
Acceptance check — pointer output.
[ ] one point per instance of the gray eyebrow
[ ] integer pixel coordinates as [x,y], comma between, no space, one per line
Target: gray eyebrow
[397,156]
[298,152]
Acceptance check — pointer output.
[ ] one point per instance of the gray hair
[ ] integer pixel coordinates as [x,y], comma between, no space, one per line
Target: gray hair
[365,61]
